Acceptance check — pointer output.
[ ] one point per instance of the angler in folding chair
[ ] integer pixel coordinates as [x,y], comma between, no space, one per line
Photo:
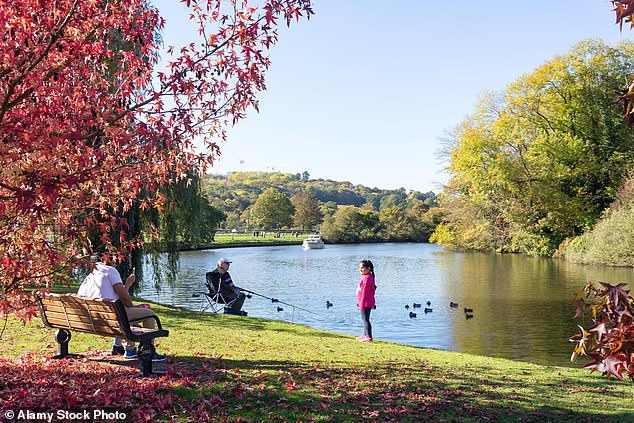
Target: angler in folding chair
[222,295]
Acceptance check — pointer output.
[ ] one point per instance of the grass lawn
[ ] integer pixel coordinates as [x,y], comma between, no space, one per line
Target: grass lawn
[249,238]
[229,368]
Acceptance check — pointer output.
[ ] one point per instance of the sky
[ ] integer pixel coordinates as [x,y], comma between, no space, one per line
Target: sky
[364,90]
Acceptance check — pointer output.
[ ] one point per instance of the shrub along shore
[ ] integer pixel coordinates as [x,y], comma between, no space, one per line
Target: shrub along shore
[230,368]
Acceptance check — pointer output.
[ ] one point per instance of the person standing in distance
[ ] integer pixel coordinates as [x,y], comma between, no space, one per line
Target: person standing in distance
[365,298]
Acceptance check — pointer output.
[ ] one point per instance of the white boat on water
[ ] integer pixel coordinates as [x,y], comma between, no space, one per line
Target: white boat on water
[313,242]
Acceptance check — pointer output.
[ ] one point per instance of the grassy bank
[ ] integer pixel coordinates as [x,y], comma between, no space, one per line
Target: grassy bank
[263,238]
[228,368]
[610,242]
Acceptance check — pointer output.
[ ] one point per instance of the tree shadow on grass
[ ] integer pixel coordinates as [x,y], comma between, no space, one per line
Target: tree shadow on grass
[213,388]
[406,392]
[401,392]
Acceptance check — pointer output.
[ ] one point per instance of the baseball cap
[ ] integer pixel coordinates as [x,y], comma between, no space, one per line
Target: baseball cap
[223,260]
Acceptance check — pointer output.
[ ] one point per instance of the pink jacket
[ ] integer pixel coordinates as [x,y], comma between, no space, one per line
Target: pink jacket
[365,292]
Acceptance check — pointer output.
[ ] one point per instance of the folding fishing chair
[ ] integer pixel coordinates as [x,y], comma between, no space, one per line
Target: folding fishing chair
[216,301]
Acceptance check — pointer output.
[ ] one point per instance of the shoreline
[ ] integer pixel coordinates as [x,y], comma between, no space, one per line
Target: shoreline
[240,245]
[283,243]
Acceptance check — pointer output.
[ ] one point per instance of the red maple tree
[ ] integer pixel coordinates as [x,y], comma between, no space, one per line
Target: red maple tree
[89,127]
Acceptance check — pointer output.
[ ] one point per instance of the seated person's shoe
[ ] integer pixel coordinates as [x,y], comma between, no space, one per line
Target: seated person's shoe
[130,353]
[117,350]
[158,357]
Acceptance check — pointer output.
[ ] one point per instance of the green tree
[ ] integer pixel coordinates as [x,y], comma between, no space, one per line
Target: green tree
[541,162]
[350,224]
[396,225]
[186,220]
[272,210]
[307,213]
[233,221]
[424,218]
[193,217]
[329,208]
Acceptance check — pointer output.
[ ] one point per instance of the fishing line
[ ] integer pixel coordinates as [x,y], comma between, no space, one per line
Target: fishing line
[275,300]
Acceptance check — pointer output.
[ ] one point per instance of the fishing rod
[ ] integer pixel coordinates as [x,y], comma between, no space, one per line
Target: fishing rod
[275,300]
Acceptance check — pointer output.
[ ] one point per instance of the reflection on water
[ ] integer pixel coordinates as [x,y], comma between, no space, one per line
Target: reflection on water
[522,308]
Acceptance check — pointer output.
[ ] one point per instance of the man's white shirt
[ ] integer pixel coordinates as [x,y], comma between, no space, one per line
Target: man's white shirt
[100,283]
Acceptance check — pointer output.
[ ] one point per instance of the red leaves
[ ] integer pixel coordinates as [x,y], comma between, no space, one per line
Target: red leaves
[611,365]
[37,383]
[237,392]
[600,329]
[624,10]
[614,293]
[290,384]
[610,339]
[9,264]
[202,389]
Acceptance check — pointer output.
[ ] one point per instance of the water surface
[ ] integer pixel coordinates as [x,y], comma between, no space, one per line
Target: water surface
[522,308]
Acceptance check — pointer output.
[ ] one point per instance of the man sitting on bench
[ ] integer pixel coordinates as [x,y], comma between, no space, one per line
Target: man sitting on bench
[104,281]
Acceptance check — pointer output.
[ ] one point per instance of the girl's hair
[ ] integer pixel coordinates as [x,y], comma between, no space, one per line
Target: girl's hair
[368,265]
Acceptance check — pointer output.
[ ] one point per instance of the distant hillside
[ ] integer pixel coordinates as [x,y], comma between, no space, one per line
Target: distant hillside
[235,193]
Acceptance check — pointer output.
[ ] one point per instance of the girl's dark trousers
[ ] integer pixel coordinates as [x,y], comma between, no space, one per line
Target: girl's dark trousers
[365,317]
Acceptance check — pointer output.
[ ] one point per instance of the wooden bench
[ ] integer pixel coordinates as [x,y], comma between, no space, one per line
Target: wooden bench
[71,312]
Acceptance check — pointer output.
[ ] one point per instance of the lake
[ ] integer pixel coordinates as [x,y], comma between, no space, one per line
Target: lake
[522,305]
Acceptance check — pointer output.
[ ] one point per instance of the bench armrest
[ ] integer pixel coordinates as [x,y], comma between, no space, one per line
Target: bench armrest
[153,316]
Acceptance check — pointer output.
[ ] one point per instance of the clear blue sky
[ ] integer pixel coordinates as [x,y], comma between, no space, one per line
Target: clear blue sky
[363,91]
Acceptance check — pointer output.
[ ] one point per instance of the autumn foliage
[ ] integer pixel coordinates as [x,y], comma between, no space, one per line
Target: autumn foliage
[624,10]
[609,340]
[90,128]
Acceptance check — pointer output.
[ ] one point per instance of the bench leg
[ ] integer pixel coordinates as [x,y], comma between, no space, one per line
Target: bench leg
[146,354]
[62,336]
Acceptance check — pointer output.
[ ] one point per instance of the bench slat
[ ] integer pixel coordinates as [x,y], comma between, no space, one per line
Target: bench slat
[101,307]
[80,312]
[79,305]
[106,330]
[100,319]
[58,306]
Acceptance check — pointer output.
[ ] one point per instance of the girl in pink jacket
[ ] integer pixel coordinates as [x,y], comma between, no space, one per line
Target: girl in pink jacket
[365,298]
